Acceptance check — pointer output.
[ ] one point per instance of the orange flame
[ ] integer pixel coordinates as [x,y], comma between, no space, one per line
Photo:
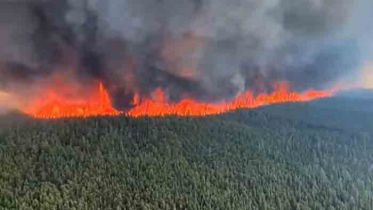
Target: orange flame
[54,105]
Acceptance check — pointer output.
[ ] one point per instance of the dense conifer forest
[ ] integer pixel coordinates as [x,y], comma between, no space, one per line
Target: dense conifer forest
[298,156]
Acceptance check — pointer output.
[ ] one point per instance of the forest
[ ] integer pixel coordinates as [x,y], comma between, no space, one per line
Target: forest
[295,156]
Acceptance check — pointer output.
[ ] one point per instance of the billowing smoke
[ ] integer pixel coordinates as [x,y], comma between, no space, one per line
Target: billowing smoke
[205,49]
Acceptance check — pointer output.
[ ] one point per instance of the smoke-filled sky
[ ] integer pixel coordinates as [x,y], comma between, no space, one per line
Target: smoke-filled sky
[206,49]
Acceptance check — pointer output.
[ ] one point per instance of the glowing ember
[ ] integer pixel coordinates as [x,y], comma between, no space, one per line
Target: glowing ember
[53,105]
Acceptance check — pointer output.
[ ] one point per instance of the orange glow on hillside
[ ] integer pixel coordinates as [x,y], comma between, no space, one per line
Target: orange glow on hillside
[53,105]
[7,101]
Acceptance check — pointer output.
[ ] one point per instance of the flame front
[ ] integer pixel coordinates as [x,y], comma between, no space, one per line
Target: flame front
[53,105]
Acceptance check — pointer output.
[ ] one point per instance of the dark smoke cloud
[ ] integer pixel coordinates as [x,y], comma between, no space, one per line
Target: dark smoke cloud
[205,49]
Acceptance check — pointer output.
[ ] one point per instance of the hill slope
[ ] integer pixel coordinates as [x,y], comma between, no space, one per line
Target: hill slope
[288,156]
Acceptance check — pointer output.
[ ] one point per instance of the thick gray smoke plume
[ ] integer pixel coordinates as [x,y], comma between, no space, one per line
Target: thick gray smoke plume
[206,49]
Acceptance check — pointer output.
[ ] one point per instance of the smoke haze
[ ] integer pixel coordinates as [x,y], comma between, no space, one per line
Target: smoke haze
[204,49]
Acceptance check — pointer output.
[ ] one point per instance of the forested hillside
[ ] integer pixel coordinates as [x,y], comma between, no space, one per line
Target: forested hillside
[307,156]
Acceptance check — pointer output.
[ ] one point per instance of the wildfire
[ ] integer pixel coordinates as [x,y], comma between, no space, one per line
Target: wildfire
[54,105]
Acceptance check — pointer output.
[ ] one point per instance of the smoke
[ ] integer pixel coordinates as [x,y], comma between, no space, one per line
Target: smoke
[205,49]
[366,77]
[7,102]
